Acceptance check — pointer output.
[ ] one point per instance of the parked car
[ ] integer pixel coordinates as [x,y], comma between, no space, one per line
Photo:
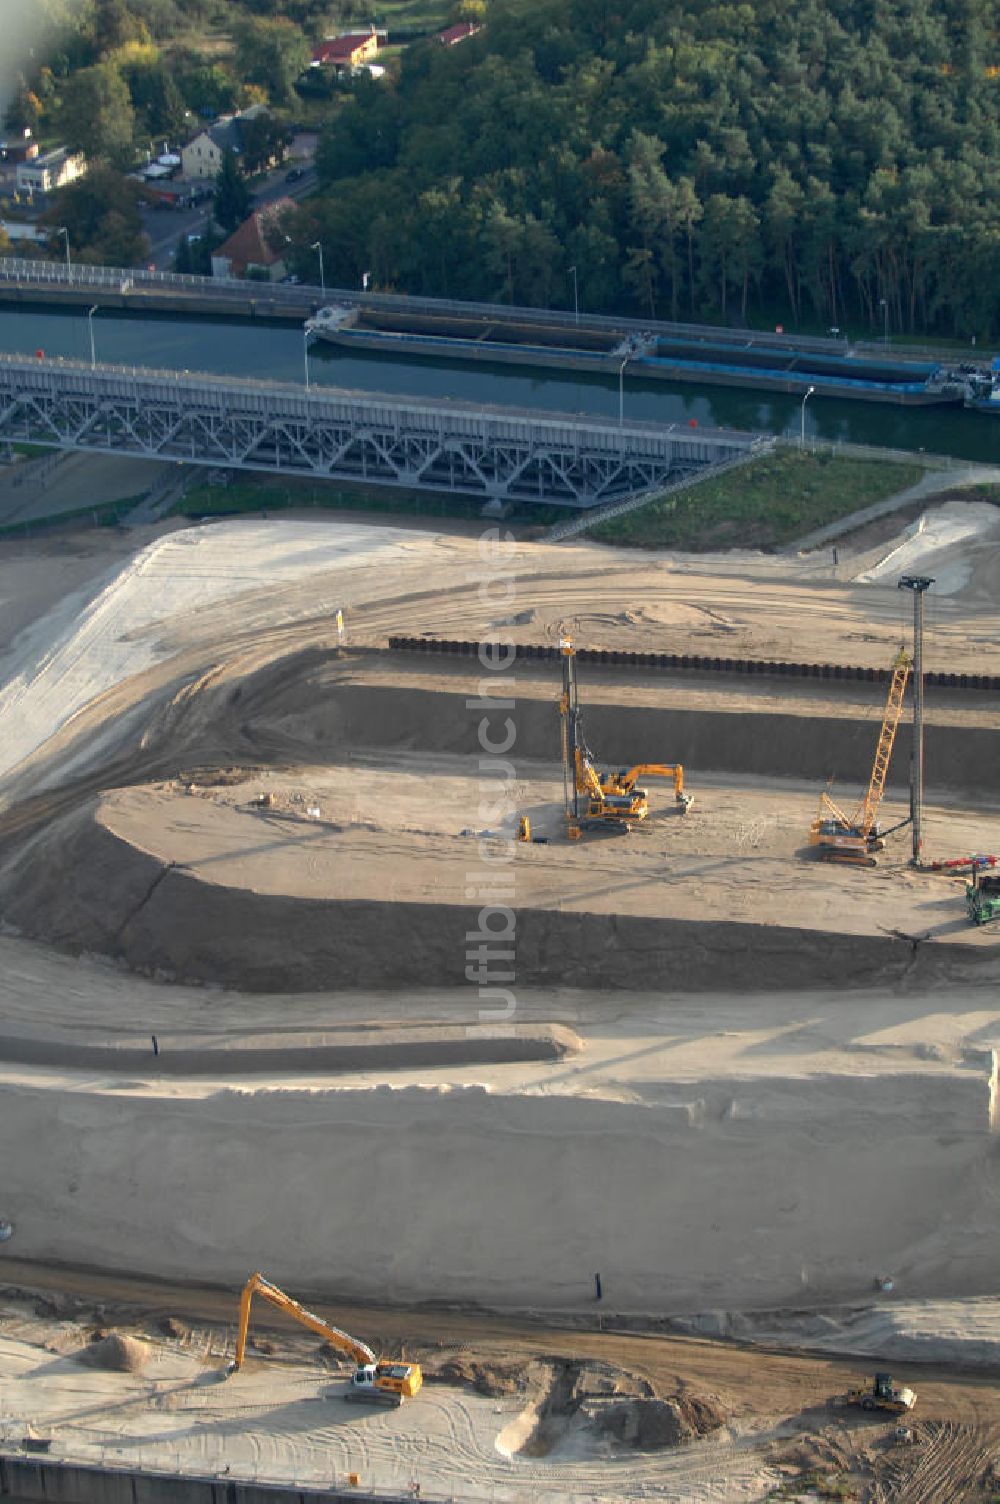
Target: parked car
[294,173]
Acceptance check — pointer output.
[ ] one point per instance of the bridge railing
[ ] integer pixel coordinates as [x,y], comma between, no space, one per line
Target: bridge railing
[308,297]
[436,412]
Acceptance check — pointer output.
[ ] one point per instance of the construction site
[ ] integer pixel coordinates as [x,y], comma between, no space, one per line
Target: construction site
[567,976]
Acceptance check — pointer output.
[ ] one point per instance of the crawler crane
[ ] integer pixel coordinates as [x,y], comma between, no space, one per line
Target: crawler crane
[374,1380]
[596,800]
[857,837]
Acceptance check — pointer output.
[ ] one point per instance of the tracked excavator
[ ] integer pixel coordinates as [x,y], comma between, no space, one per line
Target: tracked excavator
[856,838]
[374,1381]
[593,800]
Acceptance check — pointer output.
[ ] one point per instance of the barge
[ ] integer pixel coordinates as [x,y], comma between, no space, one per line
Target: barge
[468,335]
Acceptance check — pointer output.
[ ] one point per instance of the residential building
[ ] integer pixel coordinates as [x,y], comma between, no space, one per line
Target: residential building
[202,156]
[17,233]
[51,170]
[248,250]
[351,49]
[452,35]
[19,149]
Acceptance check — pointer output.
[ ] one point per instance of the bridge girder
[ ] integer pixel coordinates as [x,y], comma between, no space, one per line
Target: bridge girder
[378,440]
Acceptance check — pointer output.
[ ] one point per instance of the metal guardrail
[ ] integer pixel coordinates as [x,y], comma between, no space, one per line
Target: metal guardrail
[308,297]
[843,448]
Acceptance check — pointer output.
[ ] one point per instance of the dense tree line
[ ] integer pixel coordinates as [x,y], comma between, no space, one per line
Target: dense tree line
[702,159]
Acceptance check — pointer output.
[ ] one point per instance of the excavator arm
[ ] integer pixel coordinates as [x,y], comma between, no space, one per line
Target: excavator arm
[673,771]
[258,1285]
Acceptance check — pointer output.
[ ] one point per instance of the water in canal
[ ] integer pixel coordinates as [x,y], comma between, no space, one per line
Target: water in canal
[242,348]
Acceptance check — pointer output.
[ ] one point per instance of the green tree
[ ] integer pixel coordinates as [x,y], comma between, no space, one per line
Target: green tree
[101,215]
[730,249]
[232,196]
[115,25]
[262,138]
[157,101]
[96,115]
[272,54]
[182,256]
[206,88]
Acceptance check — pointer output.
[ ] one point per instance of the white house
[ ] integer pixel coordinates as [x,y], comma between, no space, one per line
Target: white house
[54,169]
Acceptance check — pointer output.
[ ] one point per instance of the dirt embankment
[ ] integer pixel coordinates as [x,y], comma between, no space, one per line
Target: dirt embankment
[748,736]
[704,1194]
[175,924]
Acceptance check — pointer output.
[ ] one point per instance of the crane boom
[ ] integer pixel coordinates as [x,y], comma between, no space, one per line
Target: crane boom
[258,1285]
[869,806]
[856,837]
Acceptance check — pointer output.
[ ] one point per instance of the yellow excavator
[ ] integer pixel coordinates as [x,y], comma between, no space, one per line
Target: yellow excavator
[595,800]
[374,1381]
[856,838]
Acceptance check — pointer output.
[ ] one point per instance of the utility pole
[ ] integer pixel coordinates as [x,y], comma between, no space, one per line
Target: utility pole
[919,584]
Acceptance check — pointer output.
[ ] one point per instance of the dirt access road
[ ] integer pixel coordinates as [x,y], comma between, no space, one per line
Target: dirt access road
[780,1426]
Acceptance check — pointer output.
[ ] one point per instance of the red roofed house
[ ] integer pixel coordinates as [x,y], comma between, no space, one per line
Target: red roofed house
[455,34]
[348,51]
[248,251]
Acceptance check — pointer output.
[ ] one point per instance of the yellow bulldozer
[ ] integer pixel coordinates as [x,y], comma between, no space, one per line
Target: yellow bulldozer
[882,1394]
[374,1381]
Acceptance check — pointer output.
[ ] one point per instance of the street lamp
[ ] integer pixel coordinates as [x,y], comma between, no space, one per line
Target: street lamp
[90,328]
[885,310]
[319,249]
[62,230]
[305,353]
[576,296]
[805,399]
[621,391]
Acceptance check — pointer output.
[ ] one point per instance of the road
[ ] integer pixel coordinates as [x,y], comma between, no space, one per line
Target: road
[164,227]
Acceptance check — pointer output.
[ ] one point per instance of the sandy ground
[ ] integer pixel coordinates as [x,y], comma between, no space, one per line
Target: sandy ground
[282,1418]
[191,591]
[360,876]
[764,1145]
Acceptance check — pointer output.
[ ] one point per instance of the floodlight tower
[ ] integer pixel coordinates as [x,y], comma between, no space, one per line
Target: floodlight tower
[919,584]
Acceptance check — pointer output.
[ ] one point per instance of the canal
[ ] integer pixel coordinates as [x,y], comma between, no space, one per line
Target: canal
[243,348]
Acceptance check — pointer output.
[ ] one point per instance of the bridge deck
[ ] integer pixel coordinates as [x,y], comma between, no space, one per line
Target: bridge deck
[421,444]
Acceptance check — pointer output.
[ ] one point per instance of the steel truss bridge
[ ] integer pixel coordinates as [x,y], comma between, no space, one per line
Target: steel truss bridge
[497,454]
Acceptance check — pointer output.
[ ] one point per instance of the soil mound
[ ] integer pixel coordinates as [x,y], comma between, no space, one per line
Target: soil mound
[652,1423]
[490,1379]
[600,1398]
[115,1353]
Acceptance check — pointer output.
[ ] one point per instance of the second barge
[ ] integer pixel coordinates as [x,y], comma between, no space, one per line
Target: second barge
[762,364]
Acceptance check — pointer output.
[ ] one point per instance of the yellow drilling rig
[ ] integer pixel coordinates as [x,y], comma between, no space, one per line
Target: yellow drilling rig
[602,801]
[857,837]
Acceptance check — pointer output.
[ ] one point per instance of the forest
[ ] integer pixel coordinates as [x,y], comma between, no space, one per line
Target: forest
[827,164]
[833,163]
